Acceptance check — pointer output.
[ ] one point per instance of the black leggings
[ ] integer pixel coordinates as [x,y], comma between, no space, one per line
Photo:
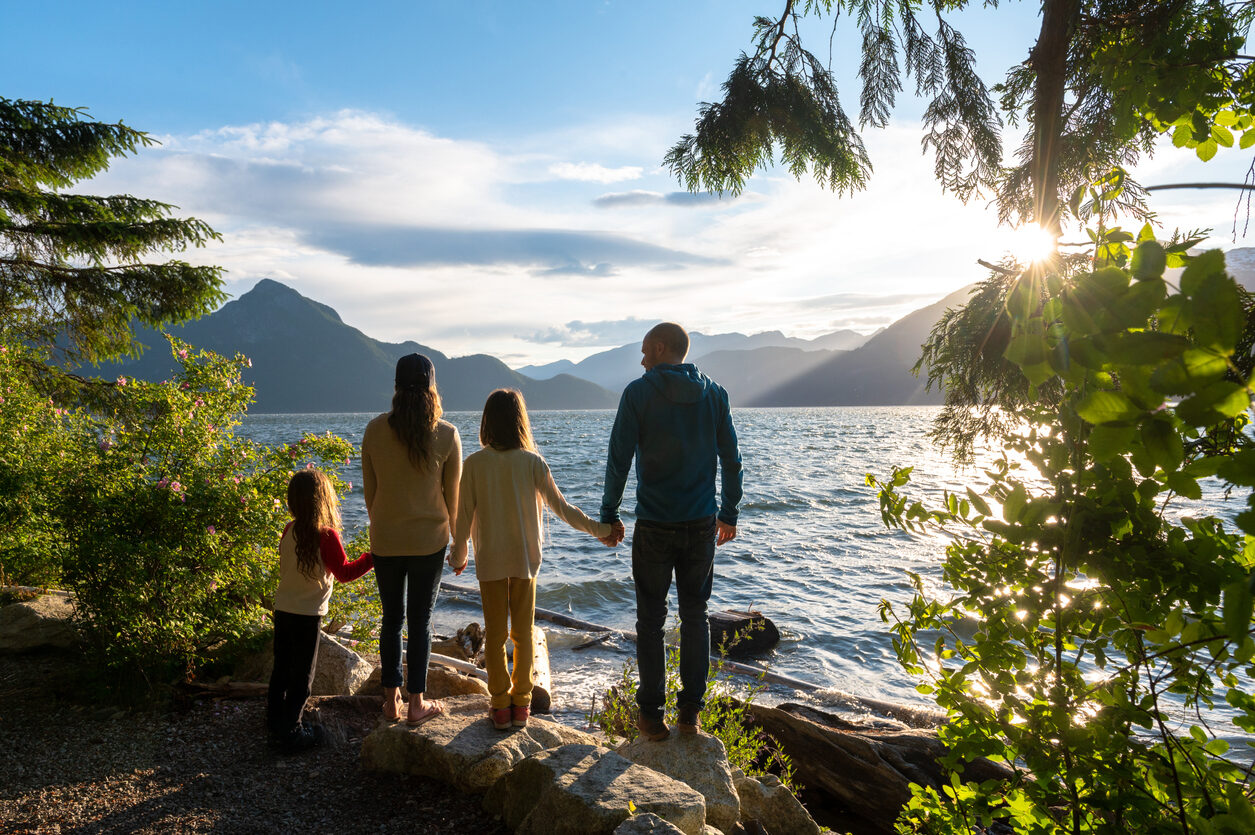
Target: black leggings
[296,658]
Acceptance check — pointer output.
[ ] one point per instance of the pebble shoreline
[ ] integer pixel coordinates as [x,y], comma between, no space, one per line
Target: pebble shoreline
[71,766]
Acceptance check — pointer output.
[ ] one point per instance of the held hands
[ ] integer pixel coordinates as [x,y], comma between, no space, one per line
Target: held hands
[617,532]
[724,532]
[457,558]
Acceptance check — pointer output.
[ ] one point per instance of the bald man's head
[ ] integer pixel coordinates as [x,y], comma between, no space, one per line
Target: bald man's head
[673,339]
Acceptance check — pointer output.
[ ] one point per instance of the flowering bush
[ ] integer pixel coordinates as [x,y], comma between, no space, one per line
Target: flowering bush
[145,504]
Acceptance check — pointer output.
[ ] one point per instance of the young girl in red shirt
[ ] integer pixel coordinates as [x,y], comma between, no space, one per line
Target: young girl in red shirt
[310,555]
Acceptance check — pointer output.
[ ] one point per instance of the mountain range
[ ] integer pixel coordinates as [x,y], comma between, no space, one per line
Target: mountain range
[306,359]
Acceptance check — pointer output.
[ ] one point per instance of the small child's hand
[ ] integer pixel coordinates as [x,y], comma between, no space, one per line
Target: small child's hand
[457,559]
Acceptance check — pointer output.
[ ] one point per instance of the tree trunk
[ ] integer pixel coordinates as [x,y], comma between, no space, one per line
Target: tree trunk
[1049,60]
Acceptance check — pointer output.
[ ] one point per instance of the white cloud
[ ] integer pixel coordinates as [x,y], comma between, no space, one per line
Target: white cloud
[590,172]
[467,247]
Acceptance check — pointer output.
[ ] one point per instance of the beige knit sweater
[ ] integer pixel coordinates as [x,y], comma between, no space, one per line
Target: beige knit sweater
[502,500]
[411,510]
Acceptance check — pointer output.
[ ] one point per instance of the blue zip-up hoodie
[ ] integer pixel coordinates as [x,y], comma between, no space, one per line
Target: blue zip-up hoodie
[677,423]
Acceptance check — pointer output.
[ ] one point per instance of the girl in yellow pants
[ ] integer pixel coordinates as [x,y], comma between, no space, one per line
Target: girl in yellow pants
[505,487]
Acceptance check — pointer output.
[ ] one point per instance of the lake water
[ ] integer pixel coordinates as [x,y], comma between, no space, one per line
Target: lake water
[811,552]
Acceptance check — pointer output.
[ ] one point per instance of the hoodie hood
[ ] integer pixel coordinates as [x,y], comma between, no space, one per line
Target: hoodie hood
[679,383]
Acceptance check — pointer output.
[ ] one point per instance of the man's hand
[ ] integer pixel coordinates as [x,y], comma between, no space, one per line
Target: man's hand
[724,532]
[617,532]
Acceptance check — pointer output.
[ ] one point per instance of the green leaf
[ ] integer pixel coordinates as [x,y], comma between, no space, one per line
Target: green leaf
[1248,139]
[1108,440]
[1204,365]
[1182,484]
[1218,400]
[1144,347]
[1207,150]
[1237,608]
[1164,444]
[1222,136]
[1149,259]
[982,506]
[1106,407]
[1181,136]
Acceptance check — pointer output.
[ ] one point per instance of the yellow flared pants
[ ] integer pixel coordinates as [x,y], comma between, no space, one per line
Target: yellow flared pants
[513,598]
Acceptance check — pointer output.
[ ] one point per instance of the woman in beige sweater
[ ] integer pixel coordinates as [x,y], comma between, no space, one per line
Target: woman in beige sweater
[505,487]
[411,465]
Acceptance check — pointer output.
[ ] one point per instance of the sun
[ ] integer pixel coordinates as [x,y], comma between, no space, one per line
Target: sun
[1031,243]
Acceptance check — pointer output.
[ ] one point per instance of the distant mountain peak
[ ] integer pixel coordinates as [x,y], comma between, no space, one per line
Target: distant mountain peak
[268,292]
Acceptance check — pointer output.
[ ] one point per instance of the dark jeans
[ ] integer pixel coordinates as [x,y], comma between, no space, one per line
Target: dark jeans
[658,550]
[296,658]
[422,576]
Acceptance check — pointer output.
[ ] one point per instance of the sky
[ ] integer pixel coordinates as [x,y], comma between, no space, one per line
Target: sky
[487,176]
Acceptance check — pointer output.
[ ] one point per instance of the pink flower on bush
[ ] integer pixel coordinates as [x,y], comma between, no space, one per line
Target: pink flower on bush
[163,482]
[211,529]
[121,381]
[106,443]
[182,353]
[350,486]
[185,386]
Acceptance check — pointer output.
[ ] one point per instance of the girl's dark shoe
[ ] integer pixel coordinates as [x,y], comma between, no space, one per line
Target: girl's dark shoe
[302,738]
[519,714]
[655,730]
[686,722]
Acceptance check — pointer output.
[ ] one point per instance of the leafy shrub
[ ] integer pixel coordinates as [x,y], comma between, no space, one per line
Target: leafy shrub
[1105,630]
[148,508]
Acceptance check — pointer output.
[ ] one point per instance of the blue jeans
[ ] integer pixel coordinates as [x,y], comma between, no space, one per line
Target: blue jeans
[659,549]
[422,576]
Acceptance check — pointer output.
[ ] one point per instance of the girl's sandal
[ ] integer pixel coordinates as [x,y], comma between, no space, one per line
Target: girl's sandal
[433,709]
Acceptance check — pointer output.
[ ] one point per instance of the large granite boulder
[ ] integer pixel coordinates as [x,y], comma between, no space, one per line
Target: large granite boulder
[766,801]
[442,683]
[340,671]
[698,760]
[646,824]
[38,624]
[462,747]
[589,790]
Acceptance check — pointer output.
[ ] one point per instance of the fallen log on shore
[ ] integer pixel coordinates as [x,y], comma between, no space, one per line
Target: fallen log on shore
[862,770]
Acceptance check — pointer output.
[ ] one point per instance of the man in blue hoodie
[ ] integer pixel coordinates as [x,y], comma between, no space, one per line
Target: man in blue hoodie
[677,424]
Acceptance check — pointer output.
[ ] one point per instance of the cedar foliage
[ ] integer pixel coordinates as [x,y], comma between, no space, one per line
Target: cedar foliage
[72,266]
[1126,72]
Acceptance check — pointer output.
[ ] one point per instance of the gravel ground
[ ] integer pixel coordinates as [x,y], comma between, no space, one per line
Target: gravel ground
[66,767]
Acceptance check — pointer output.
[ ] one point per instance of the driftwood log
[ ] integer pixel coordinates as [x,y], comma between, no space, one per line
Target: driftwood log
[865,771]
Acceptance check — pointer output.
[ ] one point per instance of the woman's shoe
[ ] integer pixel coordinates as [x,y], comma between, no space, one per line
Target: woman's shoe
[501,718]
[519,714]
[423,711]
[392,704]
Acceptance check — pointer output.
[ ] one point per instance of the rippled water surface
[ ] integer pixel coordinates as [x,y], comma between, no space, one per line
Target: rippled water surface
[811,552]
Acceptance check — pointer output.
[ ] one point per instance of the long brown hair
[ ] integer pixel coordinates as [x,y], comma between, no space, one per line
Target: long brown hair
[505,424]
[415,407]
[314,506]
